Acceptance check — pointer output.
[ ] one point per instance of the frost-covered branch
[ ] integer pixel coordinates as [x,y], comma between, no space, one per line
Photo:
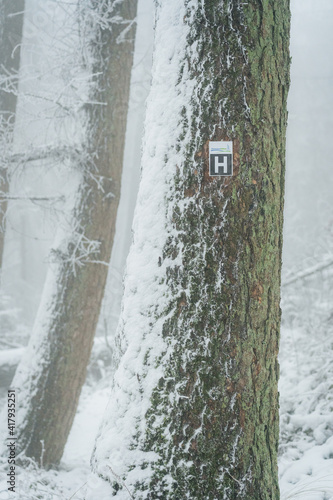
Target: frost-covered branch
[308,272]
[5,198]
[8,81]
[77,251]
[45,152]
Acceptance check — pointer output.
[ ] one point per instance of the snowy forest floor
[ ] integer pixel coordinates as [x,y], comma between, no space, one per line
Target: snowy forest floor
[306,401]
[306,397]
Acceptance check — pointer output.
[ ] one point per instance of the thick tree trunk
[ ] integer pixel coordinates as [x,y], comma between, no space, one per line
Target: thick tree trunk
[11,26]
[194,412]
[64,330]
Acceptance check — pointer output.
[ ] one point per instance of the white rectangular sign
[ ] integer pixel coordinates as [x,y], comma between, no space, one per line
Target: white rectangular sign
[220,158]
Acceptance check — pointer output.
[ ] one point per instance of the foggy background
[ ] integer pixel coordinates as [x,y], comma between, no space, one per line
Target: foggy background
[308,223]
[307,273]
[309,174]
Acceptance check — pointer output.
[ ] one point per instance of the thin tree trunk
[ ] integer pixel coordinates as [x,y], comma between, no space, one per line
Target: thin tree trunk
[63,334]
[11,26]
[194,410]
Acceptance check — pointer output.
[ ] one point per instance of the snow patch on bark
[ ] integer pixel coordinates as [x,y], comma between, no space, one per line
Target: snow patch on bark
[146,294]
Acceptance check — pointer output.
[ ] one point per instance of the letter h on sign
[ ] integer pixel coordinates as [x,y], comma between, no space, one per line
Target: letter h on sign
[220,158]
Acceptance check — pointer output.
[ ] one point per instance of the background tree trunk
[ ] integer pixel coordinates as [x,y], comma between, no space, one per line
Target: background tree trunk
[11,27]
[53,371]
[194,412]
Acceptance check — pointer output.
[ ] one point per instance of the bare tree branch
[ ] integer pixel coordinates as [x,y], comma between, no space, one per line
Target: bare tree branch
[31,198]
[44,153]
[308,272]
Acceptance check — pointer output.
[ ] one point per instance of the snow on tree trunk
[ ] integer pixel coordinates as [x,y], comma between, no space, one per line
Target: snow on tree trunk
[11,25]
[194,408]
[53,370]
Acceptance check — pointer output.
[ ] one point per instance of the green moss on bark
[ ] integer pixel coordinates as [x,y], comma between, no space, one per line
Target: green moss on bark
[218,397]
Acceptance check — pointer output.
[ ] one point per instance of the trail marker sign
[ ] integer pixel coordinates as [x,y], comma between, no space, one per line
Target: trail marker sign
[220,158]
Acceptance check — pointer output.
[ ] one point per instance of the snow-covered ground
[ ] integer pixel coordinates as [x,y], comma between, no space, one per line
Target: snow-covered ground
[306,390]
[306,400]
[68,481]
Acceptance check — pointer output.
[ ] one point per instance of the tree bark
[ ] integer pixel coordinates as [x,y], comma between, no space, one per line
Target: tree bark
[63,334]
[195,399]
[11,27]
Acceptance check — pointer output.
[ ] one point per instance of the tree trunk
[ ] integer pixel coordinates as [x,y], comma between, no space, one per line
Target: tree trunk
[52,374]
[11,26]
[194,409]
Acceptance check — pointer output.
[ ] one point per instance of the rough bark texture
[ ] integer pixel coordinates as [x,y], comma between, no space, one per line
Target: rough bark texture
[11,27]
[68,326]
[213,417]
[232,286]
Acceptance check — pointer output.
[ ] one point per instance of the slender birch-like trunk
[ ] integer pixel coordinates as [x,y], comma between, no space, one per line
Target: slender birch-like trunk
[11,26]
[194,408]
[53,371]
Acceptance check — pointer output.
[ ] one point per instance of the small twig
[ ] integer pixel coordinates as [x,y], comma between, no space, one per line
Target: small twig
[70,498]
[121,482]
[32,198]
[232,477]
[102,262]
